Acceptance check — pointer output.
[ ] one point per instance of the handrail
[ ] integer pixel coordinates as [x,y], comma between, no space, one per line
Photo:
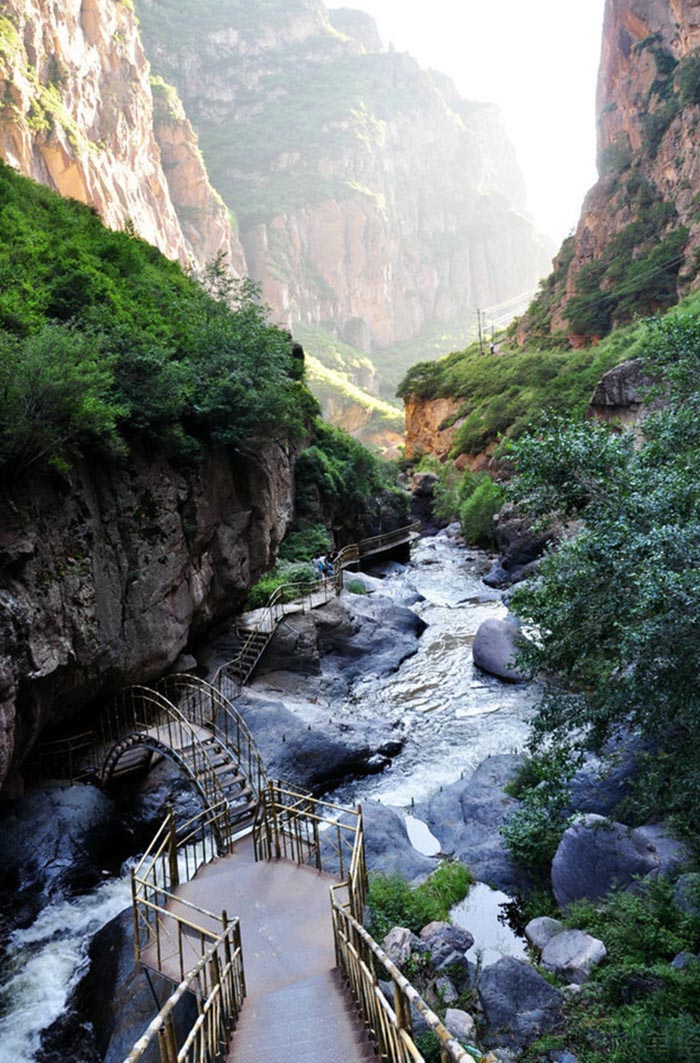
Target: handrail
[272,612]
[150,715]
[207,706]
[359,954]
[218,981]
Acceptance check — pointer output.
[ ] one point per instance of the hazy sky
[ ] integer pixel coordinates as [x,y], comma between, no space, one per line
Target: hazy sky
[538,60]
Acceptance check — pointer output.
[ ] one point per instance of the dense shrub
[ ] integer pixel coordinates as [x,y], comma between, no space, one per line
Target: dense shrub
[392,902]
[477,511]
[617,605]
[305,542]
[282,575]
[107,334]
[343,475]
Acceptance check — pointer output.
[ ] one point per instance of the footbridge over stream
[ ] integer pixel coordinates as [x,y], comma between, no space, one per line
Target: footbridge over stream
[253,910]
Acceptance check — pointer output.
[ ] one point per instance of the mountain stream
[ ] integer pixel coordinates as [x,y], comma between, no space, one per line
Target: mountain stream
[453,715]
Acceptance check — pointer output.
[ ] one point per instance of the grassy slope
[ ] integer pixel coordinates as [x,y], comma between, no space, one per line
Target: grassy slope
[504,393]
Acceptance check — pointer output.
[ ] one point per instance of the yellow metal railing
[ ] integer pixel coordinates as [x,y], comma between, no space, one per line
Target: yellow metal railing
[292,825]
[218,984]
[389,1023]
[175,855]
[231,675]
[206,706]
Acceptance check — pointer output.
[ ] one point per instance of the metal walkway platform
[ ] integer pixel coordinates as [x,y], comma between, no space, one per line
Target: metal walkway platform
[296,1009]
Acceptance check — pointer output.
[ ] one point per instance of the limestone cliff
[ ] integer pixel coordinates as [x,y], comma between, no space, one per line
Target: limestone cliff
[107,572]
[636,246]
[77,114]
[372,199]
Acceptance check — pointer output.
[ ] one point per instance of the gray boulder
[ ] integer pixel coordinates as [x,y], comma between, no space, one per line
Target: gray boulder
[56,839]
[669,853]
[445,990]
[495,648]
[594,856]
[466,818]
[519,1005]
[687,893]
[541,930]
[388,848]
[447,944]
[400,944]
[315,756]
[120,1015]
[520,541]
[461,1025]
[572,954]
[683,960]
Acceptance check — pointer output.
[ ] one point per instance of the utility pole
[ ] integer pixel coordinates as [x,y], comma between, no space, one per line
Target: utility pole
[481,334]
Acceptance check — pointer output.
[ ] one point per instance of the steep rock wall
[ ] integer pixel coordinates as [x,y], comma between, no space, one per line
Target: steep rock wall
[107,574]
[648,122]
[371,197]
[77,115]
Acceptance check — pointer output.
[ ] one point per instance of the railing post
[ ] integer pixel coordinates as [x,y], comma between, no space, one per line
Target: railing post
[402,1009]
[172,850]
[135,911]
[275,824]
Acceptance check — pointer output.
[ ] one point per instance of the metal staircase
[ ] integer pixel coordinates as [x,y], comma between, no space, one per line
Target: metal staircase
[290,598]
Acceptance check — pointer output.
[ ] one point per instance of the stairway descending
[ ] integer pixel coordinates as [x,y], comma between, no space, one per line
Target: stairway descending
[253,644]
[234,784]
[310,1021]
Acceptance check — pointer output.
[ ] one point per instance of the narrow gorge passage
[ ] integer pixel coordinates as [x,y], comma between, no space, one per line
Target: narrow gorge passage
[453,717]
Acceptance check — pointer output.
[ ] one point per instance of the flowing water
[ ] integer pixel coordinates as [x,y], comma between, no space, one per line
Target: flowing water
[453,716]
[46,961]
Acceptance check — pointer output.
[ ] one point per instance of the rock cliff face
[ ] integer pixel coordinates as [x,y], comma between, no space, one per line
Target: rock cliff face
[77,114]
[644,209]
[106,575]
[371,197]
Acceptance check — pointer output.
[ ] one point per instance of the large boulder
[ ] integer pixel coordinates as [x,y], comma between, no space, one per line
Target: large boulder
[572,954]
[347,639]
[519,1005]
[400,944]
[594,856]
[121,1015]
[687,893]
[448,944]
[541,930]
[461,1025]
[466,817]
[388,849]
[54,840]
[316,755]
[601,783]
[495,649]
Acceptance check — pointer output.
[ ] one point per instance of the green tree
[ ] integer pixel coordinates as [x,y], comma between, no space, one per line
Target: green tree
[618,604]
[54,392]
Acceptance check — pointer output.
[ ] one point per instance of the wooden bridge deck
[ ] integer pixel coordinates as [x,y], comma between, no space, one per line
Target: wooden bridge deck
[296,1009]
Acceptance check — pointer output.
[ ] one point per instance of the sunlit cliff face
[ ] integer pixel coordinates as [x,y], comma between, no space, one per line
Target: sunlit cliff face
[79,117]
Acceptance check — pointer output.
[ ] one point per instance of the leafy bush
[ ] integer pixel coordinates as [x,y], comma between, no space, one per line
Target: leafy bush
[344,476]
[636,1005]
[279,576]
[642,928]
[477,512]
[356,586]
[617,605]
[305,542]
[533,831]
[688,80]
[392,902]
[127,342]
[54,392]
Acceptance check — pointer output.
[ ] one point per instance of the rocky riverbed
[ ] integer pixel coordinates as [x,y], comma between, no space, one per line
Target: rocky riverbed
[373,698]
